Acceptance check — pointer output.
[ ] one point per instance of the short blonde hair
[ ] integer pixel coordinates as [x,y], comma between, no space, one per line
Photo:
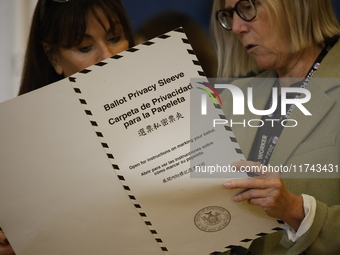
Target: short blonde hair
[302,23]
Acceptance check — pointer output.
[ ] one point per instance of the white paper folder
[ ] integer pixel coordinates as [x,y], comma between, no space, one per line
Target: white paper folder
[103,162]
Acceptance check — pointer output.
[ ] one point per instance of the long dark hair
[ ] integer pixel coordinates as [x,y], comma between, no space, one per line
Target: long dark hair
[63,25]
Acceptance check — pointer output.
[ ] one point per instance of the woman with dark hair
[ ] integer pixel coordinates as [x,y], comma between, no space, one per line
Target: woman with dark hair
[67,36]
[85,31]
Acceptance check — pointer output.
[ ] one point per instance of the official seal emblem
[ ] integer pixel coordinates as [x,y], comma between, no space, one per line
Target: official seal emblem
[212,218]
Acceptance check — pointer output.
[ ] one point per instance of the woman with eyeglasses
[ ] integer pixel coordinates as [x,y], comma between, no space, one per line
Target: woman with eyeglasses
[67,36]
[288,44]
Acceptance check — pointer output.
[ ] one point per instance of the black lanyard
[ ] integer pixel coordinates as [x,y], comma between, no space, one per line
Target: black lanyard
[268,135]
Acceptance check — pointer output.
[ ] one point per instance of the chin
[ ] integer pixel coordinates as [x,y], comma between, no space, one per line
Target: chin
[265,62]
[265,65]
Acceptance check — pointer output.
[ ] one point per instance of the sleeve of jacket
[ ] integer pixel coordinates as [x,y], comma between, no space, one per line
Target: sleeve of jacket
[322,237]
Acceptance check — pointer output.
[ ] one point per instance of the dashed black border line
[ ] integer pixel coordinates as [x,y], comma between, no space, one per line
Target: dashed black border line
[89,114]
[247,240]
[180,30]
[192,52]
[232,138]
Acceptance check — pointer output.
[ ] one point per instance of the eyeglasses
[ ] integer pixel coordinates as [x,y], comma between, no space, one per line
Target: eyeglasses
[245,9]
[43,6]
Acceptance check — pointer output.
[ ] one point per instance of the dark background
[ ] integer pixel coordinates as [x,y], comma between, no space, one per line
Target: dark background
[199,10]
[140,10]
[336,4]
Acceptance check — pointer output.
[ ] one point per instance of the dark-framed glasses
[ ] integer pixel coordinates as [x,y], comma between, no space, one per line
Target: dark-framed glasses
[245,9]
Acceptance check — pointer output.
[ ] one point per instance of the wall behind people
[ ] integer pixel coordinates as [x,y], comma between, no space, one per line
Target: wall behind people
[15,17]
[337,8]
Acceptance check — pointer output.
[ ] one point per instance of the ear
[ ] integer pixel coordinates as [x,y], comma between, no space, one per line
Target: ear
[53,57]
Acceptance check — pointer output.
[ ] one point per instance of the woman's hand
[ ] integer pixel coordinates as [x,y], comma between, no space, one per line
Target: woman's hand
[268,191]
[5,247]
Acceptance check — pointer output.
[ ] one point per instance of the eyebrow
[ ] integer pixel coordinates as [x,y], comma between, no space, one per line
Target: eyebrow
[90,36]
[229,7]
[106,30]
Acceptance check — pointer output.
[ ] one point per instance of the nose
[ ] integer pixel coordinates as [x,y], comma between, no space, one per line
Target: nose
[106,52]
[239,25]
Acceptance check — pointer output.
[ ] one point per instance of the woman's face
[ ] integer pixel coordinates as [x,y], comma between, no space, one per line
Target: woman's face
[260,40]
[97,44]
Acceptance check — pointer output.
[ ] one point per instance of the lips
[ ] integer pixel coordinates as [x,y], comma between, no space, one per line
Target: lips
[250,46]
